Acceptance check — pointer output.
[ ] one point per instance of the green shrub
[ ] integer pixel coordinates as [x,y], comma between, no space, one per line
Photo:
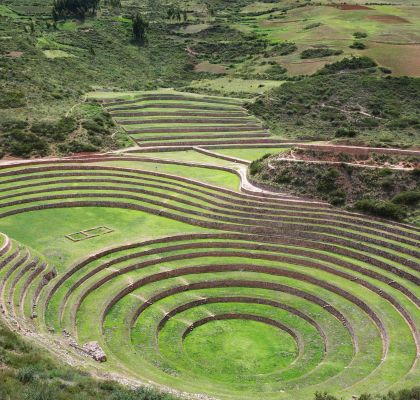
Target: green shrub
[385,209]
[39,391]
[345,132]
[255,167]
[312,26]
[405,394]
[408,198]
[386,70]
[360,35]
[283,49]
[353,63]
[93,126]
[327,180]
[319,52]
[275,72]
[26,374]
[337,197]
[283,178]
[12,99]
[76,146]
[66,125]
[24,144]
[358,45]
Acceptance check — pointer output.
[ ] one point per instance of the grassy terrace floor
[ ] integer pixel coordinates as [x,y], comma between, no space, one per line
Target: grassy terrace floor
[197,285]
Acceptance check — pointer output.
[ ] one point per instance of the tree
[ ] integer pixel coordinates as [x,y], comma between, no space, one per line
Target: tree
[63,9]
[140,26]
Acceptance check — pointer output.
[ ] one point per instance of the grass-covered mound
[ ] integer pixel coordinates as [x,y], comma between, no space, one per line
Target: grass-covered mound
[346,101]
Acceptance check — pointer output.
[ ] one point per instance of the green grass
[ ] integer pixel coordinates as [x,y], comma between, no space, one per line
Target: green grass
[50,240]
[235,86]
[250,154]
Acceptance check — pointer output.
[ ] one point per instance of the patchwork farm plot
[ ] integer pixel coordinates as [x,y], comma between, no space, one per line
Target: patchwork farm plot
[388,33]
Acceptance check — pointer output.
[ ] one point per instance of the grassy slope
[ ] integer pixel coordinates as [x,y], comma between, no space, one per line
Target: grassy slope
[371,109]
[27,373]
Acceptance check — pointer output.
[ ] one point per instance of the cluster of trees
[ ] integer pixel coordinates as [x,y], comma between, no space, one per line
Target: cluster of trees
[175,12]
[63,9]
[113,3]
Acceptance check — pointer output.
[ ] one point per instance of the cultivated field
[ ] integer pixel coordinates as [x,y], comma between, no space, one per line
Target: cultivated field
[391,32]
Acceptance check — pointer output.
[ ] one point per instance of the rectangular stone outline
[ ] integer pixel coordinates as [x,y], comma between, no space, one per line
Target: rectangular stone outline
[88,235]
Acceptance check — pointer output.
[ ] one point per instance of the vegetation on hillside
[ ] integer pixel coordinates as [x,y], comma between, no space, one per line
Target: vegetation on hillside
[29,373]
[337,103]
[63,9]
[405,394]
[88,129]
[46,68]
[384,192]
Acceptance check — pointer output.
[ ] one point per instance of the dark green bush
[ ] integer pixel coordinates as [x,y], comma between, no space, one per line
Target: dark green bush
[24,144]
[324,396]
[93,126]
[345,132]
[353,63]
[358,45]
[327,180]
[337,197]
[405,394]
[312,26]
[360,35]
[76,146]
[409,198]
[319,52]
[255,167]
[385,209]
[283,49]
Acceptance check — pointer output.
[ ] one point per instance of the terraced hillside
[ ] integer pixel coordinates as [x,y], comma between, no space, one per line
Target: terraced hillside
[170,118]
[189,283]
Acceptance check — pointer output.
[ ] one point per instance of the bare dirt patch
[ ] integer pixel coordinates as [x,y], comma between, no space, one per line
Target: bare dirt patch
[388,19]
[14,54]
[277,22]
[350,7]
[402,59]
[211,68]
